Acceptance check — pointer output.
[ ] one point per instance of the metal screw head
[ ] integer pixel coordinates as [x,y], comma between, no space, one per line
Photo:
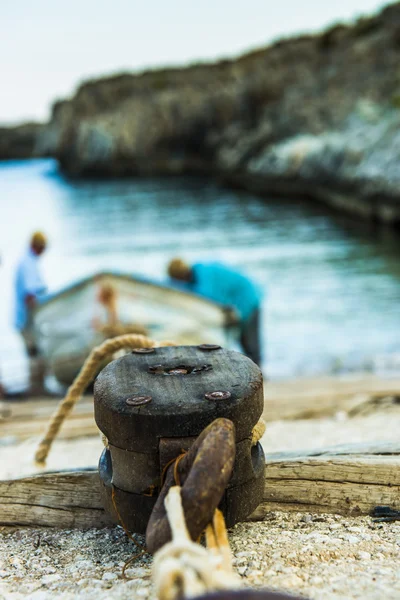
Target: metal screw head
[208,347]
[223,395]
[179,371]
[142,350]
[138,400]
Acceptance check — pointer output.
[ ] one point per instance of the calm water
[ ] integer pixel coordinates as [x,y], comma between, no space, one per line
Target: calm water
[332,286]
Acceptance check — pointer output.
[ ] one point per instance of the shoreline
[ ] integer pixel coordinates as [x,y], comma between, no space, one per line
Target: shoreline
[383,211]
[314,115]
[379,209]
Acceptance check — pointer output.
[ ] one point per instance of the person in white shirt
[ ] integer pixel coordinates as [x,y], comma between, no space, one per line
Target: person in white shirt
[29,284]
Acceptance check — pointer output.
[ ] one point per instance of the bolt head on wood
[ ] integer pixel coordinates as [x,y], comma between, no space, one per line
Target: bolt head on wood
[138,400]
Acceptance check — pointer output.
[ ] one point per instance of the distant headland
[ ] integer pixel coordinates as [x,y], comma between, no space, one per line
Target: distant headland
[316,115]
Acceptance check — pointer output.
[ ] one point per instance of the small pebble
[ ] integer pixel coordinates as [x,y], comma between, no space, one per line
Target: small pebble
[50,578]
[306,519]
[363,556]
[110,577]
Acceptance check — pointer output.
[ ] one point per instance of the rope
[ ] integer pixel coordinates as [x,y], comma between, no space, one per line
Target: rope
[217,540]
[183,568]
[81,382]
[258,431]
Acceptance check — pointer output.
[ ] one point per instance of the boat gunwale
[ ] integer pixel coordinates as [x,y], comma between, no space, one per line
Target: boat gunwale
[228,312]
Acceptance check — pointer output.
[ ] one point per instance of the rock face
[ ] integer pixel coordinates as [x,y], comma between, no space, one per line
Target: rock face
[19,142]
[315,115]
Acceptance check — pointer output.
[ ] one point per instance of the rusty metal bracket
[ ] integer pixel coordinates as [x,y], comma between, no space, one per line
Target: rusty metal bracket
[203,473]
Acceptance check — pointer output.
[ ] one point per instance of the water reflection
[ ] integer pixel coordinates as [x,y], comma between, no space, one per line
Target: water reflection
[333,285]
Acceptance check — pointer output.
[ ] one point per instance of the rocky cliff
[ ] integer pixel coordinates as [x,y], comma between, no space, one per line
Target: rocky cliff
[315,115]
[19,142]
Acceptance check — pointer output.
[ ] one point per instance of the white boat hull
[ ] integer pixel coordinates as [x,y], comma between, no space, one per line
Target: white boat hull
[64,323]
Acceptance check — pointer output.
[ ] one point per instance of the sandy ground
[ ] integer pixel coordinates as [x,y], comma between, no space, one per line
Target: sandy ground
[323,558]
[320,557]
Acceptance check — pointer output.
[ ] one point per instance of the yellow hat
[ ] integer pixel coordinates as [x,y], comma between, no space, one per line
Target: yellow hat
[38,239]
[178,269]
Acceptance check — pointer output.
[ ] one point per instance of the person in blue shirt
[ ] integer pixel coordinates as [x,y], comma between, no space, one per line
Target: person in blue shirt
[229,287]
[29,284]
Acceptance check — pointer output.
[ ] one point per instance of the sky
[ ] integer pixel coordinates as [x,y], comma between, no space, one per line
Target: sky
[47,47]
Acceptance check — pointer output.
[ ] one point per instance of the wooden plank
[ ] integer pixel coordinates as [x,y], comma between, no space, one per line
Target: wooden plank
[76,426]
[349,450]
[54,500]
[42,408]
[5,410]
[307,398]
[349,480]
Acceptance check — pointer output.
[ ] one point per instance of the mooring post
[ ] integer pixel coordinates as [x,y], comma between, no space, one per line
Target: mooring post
[152,405]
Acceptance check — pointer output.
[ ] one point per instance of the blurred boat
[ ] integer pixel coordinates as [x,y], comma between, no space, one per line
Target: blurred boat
[70,323]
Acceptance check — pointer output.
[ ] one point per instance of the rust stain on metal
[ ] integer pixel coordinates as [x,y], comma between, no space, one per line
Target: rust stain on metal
[203,473]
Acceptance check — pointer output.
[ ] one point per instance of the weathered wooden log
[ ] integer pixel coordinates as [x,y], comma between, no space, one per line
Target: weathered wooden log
[64,499]
[348,480]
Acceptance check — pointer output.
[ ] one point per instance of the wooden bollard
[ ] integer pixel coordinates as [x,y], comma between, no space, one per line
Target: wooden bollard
[153,403]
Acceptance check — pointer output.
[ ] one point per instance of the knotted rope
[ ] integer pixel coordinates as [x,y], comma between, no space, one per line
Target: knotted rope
[88,371]
[84,378]
[185,569]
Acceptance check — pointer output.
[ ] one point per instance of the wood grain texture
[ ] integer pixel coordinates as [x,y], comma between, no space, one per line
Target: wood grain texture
[42,408]
[76,426]
[308,398]
[349,480]
[68,500]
